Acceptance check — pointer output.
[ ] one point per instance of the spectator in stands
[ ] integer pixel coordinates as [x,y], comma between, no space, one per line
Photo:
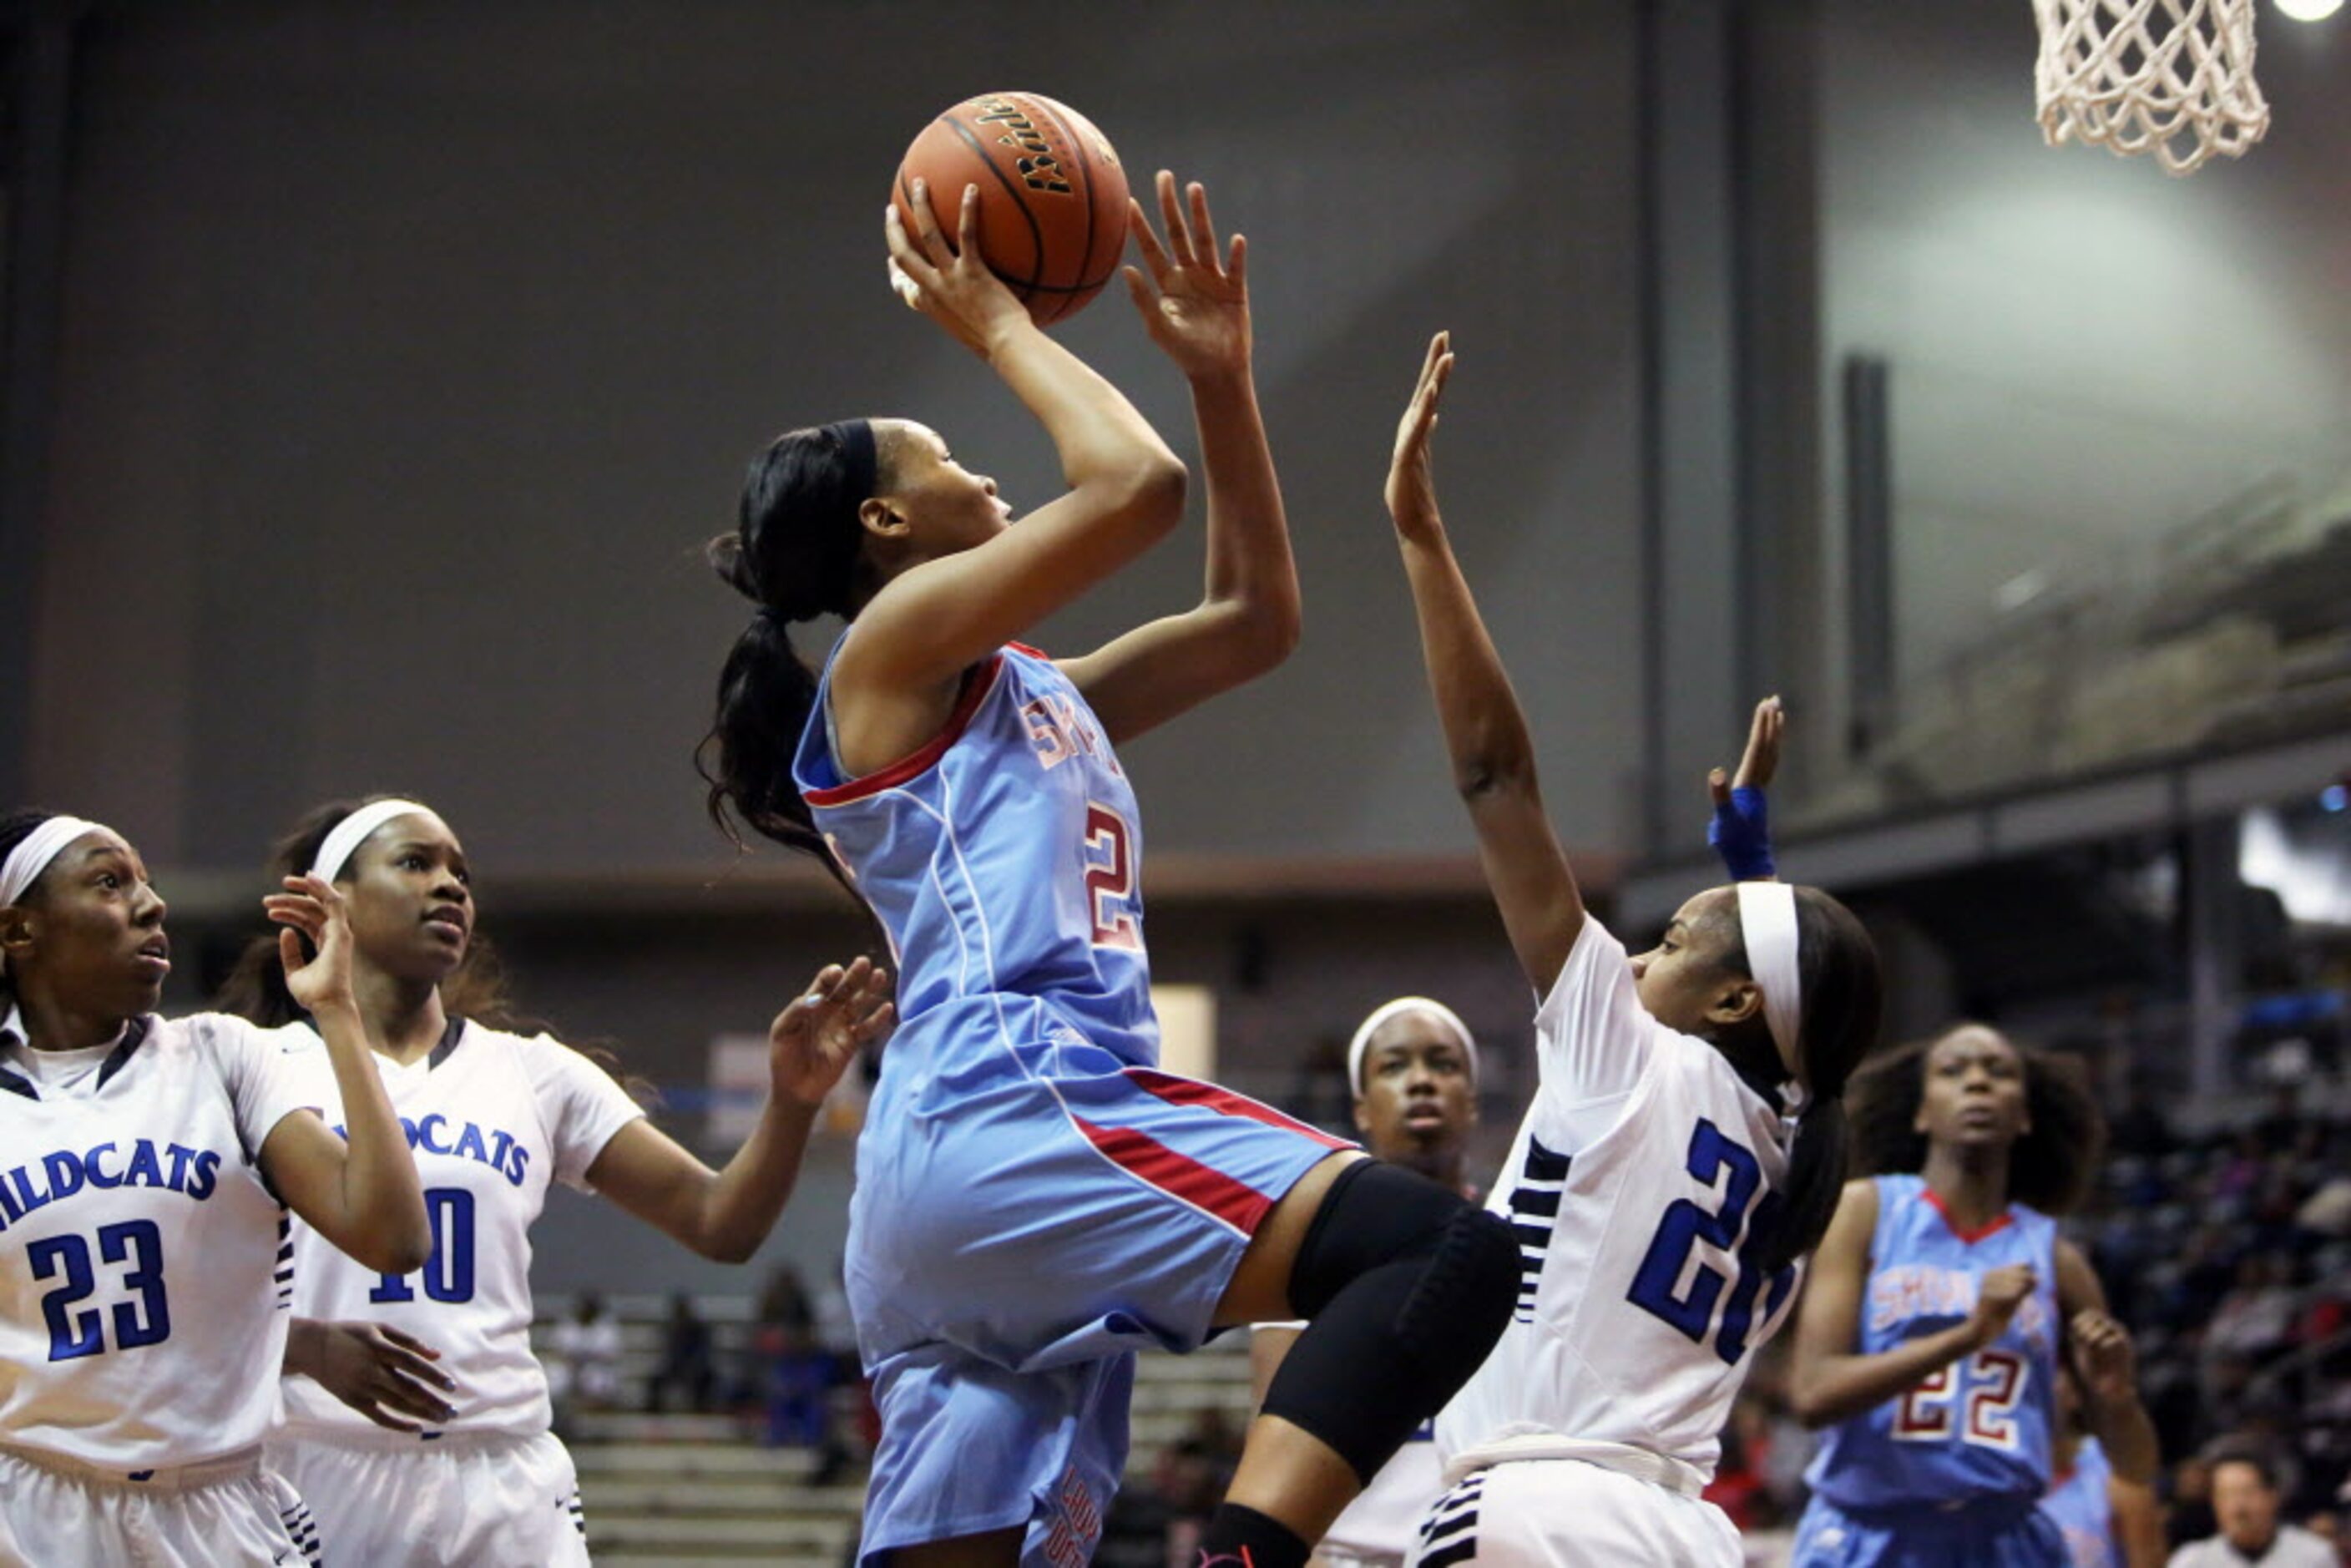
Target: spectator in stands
[2256,1317]
[2245,1499]
[794,1371]
[587,1346]
[1737,1487]
[1191,1477]
[2283,1129]
[686,1360]
[2141,1128]
[2191,1516]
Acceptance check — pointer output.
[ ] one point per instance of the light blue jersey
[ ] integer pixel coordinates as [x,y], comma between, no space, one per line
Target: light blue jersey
[1004,861]
[1962,1458]
[2084,1511]
[1034,1200]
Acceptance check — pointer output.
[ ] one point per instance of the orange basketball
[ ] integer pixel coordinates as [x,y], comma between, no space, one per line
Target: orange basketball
[1053,198]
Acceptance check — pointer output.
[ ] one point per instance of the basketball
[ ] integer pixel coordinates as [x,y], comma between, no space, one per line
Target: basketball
[1052,197]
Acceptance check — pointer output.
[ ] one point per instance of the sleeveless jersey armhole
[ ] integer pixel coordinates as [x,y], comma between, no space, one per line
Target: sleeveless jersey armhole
[832,729]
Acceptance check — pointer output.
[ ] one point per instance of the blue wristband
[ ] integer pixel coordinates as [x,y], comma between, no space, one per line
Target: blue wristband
[1741,833]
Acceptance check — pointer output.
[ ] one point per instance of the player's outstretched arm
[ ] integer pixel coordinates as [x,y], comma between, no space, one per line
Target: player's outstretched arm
[1828,1381]
[727,1214]
[1126,490]
[359,1192]
[1194,303]
[1485,732]
[2103,1359]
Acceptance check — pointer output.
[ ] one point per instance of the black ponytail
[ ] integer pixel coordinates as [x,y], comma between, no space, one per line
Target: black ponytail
[1837,967]
[1816,1171]
[796,553]
[14,829]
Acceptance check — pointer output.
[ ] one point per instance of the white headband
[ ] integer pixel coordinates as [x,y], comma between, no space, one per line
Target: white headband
[352,832]
[1386,1010]
[30,858]
[1767,920]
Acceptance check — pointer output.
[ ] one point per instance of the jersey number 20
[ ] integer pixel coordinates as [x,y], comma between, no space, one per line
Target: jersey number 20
[1657,1286]
[449,1271]
[73,1335]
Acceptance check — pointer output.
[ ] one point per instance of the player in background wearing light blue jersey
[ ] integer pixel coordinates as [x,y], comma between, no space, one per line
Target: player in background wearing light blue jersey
[2107,1522]
[1939,1304]
[149,1164]
[417,1416]
[1034,1200]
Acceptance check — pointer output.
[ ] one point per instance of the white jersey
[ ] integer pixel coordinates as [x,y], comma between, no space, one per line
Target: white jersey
[142,1317]
[1633,1184]
[492,1118]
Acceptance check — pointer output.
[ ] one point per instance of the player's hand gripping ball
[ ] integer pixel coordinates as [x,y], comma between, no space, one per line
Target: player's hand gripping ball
[1052,197]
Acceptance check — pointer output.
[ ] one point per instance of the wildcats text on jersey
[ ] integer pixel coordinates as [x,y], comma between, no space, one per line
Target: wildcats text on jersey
[503,1152]
[55,1177]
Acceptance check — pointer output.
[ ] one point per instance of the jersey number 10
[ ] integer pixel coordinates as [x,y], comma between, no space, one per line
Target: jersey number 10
[1656,1285]
[449,1271]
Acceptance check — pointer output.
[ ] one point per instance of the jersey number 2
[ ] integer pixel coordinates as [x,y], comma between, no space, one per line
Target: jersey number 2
[449,1271]
[147,1321]
[1109,880]
[1657,1286]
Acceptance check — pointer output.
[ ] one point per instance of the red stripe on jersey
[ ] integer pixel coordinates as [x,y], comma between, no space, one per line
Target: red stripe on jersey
[1991,1226]
[1192,1091]
[1032,652]
[974,691]
[1239,1205]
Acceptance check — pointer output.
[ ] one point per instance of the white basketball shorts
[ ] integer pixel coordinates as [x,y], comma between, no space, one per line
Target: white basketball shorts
[1570,1513]
[225,1514]
[458,1501]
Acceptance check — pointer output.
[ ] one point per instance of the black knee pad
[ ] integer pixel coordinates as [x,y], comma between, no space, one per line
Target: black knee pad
[1467,1293]
[1406,1287]
[1374,1213]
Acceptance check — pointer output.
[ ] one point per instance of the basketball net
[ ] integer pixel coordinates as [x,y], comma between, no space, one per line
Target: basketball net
[2170,76]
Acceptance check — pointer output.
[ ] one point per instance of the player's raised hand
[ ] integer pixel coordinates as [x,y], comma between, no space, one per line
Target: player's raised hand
[949,282]
[1412,484]
[312,907]
[2103,1355]
[1740,827]
[1196,300]
[820,1032]
[1761,759]
[377,1371]
[1998,1295]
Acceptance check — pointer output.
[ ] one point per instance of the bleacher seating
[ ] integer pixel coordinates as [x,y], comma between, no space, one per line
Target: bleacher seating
[699,1491]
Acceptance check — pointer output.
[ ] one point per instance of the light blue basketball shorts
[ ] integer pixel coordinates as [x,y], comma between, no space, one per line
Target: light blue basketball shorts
[1010,1249]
